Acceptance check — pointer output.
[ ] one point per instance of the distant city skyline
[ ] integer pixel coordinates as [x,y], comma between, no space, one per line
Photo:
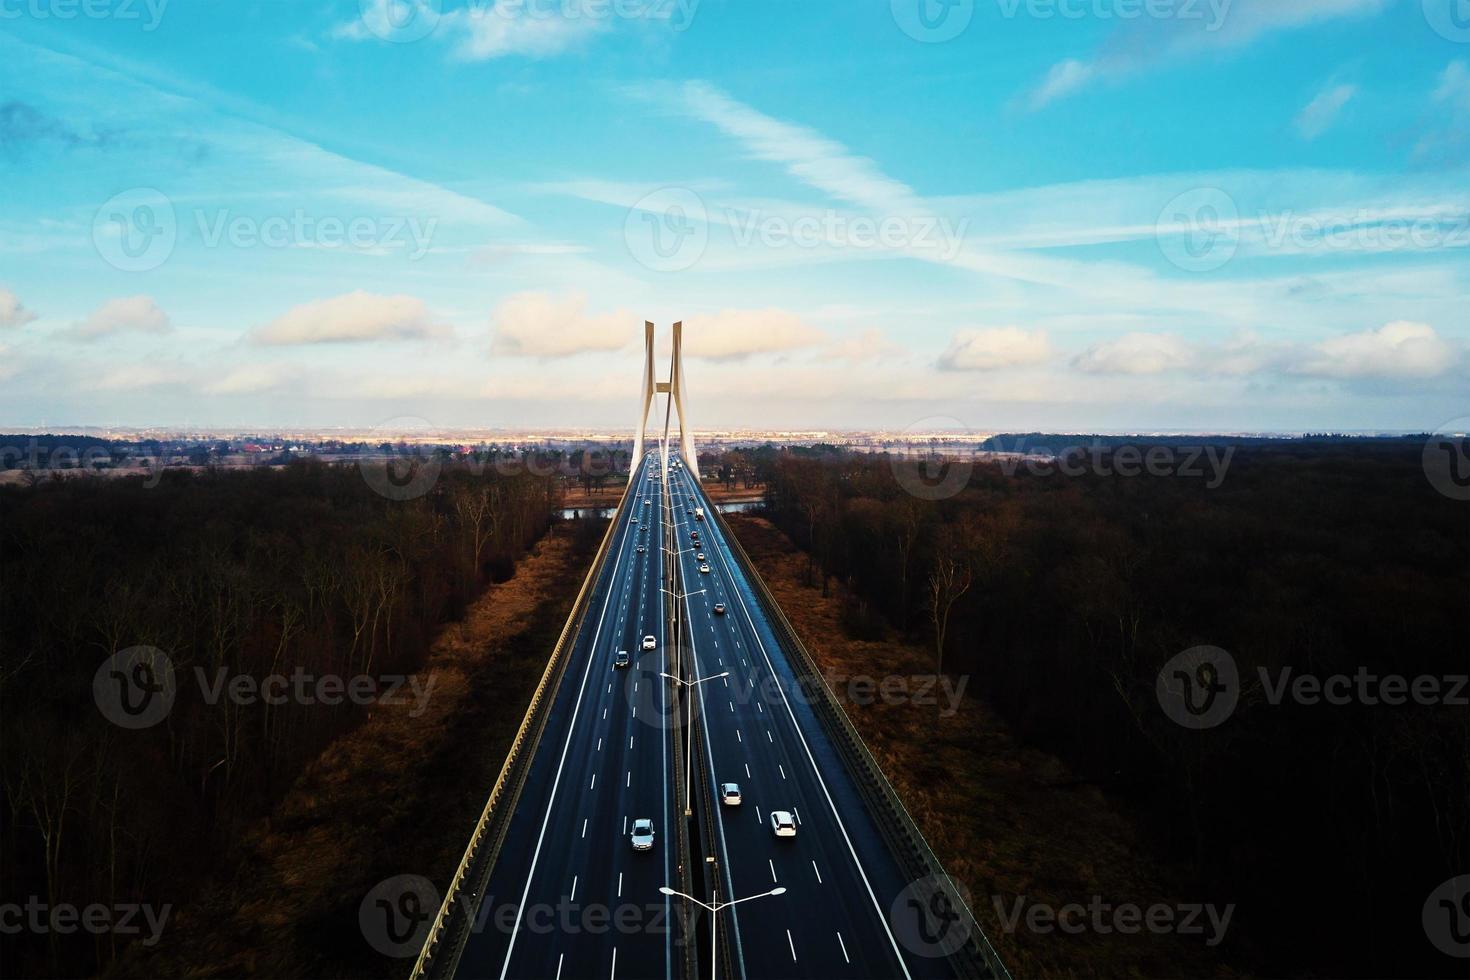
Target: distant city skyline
[990,215]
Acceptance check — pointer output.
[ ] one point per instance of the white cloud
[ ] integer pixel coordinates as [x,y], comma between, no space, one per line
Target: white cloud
[807,155]
[514,28]
[990,350]
[1215,25]
[249,379]
[355,317]
[1064,78]
[1318,115]
[481,31]
[1136,353]
[1397,350]
[1454,86]
[733,334]
[12,313]
[541,325]
[870,345]
[132,314]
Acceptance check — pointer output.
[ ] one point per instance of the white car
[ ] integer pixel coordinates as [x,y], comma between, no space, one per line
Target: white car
[704,569]
[635,520]
[647,502]
[783,824]
[642,834]
[699,557]
[730,794]
[649,642]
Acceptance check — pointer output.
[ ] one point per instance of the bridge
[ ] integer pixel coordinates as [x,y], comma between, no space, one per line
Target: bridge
[717,689]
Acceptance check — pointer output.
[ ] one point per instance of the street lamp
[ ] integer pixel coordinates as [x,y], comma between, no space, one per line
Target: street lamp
[689,724]
[715,908]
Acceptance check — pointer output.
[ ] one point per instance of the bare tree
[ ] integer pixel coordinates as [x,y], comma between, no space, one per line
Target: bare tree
[949,579]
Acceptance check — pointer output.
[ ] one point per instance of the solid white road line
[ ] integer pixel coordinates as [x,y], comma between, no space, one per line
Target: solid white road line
[844,948]
[818,871]
[792,944]
[561,764]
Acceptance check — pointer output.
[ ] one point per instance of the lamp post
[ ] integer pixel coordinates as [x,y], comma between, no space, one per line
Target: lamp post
[715,908]
[689,724]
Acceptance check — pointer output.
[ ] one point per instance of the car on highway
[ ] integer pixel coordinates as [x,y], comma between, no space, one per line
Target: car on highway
[704,569]
[647,502]
[730,794]
[642,835]
[635,520]
[719,609]
[642,548]
[622,659]
[649,642]
[699,557]
[783,824]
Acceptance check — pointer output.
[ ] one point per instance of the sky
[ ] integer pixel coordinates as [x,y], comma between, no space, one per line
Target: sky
[1078,215]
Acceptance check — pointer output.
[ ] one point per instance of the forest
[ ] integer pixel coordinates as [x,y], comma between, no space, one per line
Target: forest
[300,572]
[1063,594]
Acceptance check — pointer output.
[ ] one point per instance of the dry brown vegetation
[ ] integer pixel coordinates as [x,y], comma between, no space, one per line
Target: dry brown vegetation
[1006,820]
[398,795]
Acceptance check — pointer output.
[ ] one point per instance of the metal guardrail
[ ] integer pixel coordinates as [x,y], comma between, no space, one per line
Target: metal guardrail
[446,938]
[977,958]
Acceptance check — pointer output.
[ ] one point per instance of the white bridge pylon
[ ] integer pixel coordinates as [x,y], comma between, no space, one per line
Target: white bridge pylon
[674,388]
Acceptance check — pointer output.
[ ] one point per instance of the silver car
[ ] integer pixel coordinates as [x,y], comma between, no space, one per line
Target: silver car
[642,835]
[783,824]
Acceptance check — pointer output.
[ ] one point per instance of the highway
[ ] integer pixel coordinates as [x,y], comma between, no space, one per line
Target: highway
[606,759]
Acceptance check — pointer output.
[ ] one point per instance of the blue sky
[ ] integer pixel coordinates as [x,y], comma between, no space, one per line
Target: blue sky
[1056,214]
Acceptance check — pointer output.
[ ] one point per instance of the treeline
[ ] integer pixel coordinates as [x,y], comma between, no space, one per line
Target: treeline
[304,572]
[1064,596]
